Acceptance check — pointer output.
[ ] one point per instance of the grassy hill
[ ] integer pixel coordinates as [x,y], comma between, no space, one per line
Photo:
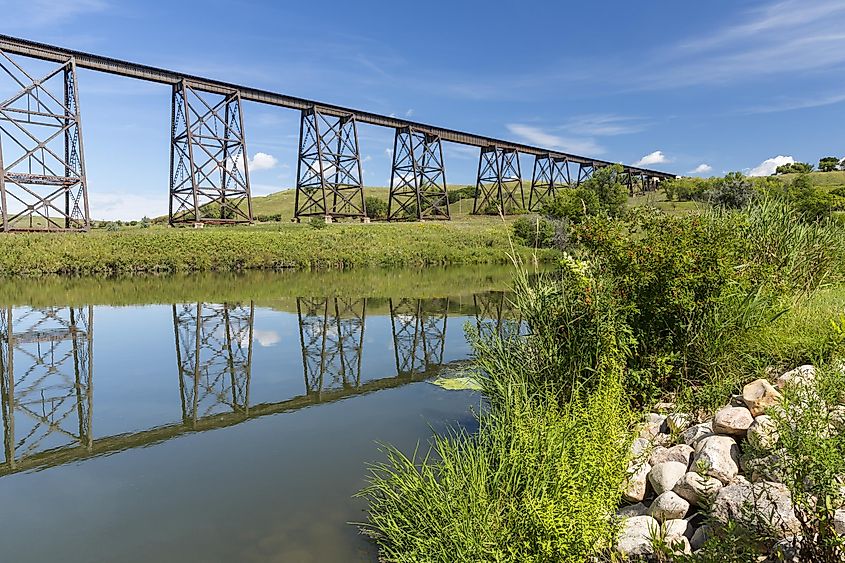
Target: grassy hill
[282,203]
[824,179]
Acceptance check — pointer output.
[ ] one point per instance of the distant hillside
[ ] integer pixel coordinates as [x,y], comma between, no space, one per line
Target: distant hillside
[826,179]
[283,202]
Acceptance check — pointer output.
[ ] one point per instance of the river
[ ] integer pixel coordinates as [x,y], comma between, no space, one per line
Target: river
[222,417]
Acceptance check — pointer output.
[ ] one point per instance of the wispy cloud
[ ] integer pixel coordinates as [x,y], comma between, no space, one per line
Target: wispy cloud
[604,125]
[795,104]
[35,14]
[656,157]
[537,136]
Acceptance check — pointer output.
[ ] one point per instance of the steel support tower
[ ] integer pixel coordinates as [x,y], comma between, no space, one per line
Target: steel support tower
[496,315]
[214,358]
[331,332]
[46,380]
[329,176]
[419,333]
[209,169]
[418,178]
[499,184]
[550,174]
[43,186]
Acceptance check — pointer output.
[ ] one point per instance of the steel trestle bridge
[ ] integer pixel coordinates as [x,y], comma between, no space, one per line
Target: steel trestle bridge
[43,185]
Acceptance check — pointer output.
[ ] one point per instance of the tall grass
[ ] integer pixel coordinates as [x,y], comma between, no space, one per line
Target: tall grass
[540,478]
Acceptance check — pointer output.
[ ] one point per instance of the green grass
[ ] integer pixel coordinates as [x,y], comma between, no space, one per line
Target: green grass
[823,179]
[273,246]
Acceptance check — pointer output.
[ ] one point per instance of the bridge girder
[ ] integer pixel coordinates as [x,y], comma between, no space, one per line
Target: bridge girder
[499,185]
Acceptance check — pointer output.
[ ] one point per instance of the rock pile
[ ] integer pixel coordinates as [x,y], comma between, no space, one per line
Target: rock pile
[680,471]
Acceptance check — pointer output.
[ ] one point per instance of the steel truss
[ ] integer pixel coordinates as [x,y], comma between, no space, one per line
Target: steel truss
[550,174]
[43,186]
[496,315]
[214,358]
[46,370]
[418,178]
[329,175]
[209,170]
[331,332]
[499,184]
[419,333]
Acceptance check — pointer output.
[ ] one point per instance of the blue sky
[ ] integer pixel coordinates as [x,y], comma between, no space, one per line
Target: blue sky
[679,86]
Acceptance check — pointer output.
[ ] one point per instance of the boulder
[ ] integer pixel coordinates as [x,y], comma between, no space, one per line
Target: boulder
[732,421]
[639,447]
[837,418]
[654,426]
[676,528]
[767,468]
[663,476]
[637,483]
[717,456]
[697,432]
[678,422]
[681,453]
[760,395]
[701,535]
[668,506]
[634,539]
[839,522]
[757,506]
[802,375]
[763,433]
[695,488]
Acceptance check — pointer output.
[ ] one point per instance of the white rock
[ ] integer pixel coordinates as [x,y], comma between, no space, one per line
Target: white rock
[697,432]
[757,506]
[635,537]
[717,456]
[760,395]
[839,522]
[637,483]
[802,375]
[639,447]
[668,506]
[763,433]
[654,426]
[694,488]
[678,422]
[675,528]
[732,421]
[663,476]
[681,453]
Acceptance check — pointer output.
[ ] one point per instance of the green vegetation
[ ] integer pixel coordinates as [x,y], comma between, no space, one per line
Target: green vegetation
[794,168]
[646,307]
[268,247]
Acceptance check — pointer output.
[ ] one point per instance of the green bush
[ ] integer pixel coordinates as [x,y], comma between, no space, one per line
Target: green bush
[534,231]
[811,201]
[539,477]
[574,205]
[734,191]
[376,207]
[462,193]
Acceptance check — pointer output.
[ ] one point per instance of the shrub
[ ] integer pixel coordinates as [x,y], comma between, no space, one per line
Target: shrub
[534,231]
[462,193]
[734,191]
[376,207]
[794,168]
[574,205]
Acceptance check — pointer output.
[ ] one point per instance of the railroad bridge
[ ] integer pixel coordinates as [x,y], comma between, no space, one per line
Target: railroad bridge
[44,186]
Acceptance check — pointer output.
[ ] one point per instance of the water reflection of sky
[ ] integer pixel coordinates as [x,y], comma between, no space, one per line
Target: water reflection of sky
[121,443]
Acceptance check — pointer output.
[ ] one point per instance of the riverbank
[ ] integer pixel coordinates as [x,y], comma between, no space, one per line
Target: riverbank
[680,311]
[268,247]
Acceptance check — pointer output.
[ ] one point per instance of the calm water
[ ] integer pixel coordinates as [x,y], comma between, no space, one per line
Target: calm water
[220,418]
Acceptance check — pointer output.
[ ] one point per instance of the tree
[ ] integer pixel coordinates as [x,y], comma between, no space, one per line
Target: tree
[734,191]
[828,164]
[794,168]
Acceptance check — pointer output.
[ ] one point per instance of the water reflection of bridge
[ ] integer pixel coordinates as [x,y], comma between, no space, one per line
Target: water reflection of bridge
[47,368]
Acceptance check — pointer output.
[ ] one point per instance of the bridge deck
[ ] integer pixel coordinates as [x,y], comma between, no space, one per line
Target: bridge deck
[153,74]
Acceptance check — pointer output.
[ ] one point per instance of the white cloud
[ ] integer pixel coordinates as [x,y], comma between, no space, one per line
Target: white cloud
[768,166]
[410,112]
[536,136]
[267,338]
[701,169]
[604,125]
[262,161]
[656,157]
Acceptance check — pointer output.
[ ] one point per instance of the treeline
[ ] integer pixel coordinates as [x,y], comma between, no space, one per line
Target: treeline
[826,164]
